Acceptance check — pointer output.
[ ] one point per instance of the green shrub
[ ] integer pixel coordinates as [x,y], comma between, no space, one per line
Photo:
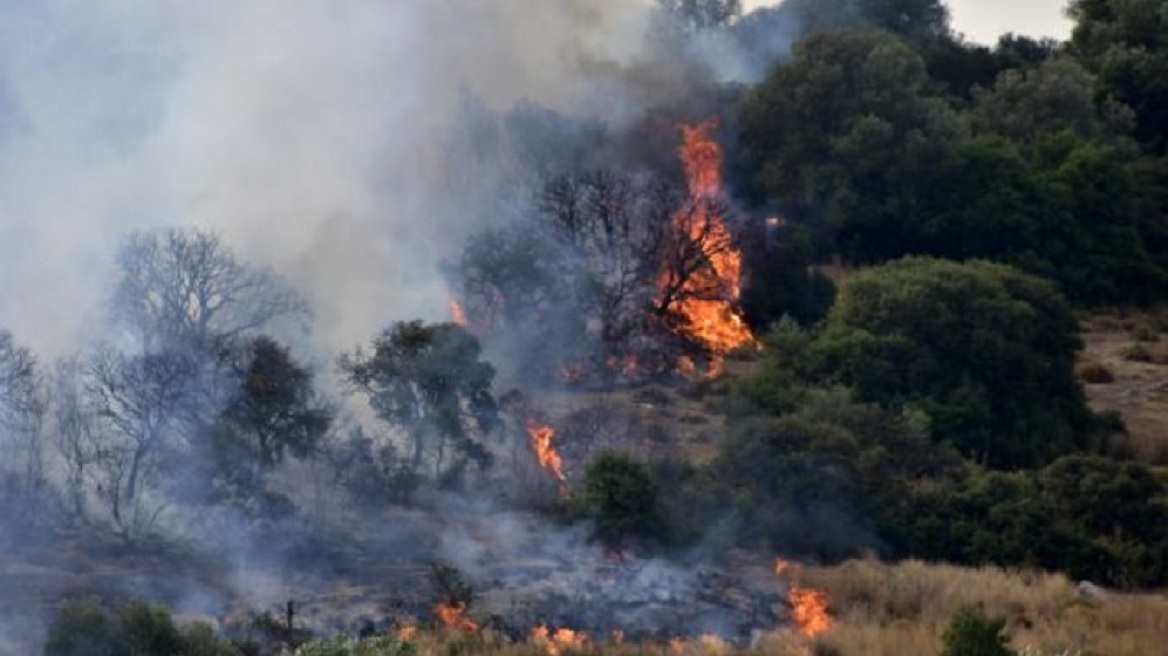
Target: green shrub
[83,628]
[89,628]
[972,632]
[623,498]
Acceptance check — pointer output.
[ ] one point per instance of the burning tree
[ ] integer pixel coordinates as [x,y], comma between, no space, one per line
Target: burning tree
[701,280]
[620,272]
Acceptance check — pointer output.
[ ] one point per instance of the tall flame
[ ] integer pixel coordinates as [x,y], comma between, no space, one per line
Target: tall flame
[453,617]
[714,322]
[808,605]
[457,314]
[541,442]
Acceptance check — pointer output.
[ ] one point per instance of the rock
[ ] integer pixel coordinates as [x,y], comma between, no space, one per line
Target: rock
[1090,593]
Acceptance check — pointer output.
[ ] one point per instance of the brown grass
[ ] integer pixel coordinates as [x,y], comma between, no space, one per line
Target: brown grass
[887,610]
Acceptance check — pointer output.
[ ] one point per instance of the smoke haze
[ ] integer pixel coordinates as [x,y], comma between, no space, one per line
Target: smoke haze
[314,136]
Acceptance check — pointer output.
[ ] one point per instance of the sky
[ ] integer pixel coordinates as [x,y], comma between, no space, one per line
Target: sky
[983,21]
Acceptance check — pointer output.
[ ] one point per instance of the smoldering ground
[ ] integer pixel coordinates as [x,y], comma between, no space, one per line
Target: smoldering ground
[350,146]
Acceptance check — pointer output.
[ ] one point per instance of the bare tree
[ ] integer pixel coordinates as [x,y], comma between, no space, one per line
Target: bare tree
[144,405]
[614,227]
[23,406]
[77,433]
[185,289]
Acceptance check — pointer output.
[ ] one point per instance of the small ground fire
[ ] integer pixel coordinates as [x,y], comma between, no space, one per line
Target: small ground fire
[808,605]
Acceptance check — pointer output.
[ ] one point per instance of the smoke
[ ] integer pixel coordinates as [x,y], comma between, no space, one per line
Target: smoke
[314,136]
[350,145]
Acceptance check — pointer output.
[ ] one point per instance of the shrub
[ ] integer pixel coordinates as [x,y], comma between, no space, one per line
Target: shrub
[83,628]
[623,498]
[88,628]
[972,632]
[1094,373]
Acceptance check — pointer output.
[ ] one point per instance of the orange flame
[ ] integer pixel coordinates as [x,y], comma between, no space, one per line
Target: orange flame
[457,314]
[809,610]
[453,617]
[808,605]
[541,442]
[714,322]
[556,642]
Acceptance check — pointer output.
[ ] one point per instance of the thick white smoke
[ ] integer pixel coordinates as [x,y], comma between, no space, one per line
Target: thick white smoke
[314,135]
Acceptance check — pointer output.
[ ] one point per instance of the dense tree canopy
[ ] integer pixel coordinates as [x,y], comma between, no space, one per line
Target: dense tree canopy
[985,351]
[848,133]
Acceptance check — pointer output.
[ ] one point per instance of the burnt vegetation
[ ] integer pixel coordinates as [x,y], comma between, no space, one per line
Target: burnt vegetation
[910,229]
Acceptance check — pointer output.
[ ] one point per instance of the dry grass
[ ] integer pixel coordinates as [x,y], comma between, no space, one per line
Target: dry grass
[1093,373]
[893,610]
[889,610]
[1139,390]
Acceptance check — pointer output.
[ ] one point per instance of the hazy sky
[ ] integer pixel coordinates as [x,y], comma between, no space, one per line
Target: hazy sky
[984,20]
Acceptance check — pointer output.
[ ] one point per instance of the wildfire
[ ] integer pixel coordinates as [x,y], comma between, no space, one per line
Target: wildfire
[560,640]
[808,605]
[453,617]
[541,442]
[714,322]
[457,314]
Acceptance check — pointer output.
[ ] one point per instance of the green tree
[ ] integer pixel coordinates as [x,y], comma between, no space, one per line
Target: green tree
[780,280]
[848,132]
[984,350]
[1055,96]
[429,380]
[916,20]
[624,500]
[1124,43]
[275,413]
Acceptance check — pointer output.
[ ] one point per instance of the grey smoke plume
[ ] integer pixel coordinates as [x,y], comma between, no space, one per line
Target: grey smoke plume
[315,136]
